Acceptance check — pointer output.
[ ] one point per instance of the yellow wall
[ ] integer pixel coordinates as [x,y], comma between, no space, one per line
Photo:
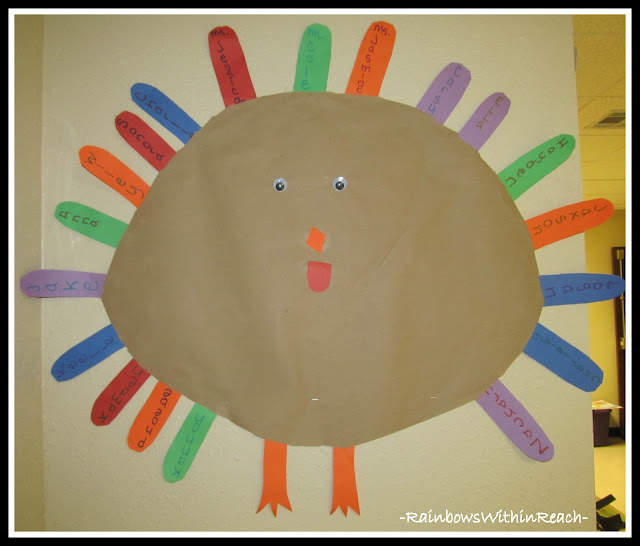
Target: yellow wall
[602,343]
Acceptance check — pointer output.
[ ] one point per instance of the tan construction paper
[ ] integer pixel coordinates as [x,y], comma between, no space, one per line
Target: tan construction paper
[434,288]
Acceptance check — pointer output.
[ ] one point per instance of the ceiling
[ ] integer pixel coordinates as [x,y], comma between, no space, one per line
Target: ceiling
[600,46]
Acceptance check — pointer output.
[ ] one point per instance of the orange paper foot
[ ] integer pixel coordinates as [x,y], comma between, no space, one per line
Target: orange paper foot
[345,491]
[274,479]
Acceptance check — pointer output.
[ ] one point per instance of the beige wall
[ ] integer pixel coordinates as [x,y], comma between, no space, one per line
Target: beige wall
[458,462]
[27,455]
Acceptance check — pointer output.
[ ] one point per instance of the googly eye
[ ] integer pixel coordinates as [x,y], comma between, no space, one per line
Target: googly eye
[339,183]
[279,184]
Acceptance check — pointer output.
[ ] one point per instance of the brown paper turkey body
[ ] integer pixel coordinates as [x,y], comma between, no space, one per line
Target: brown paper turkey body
[325,269]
